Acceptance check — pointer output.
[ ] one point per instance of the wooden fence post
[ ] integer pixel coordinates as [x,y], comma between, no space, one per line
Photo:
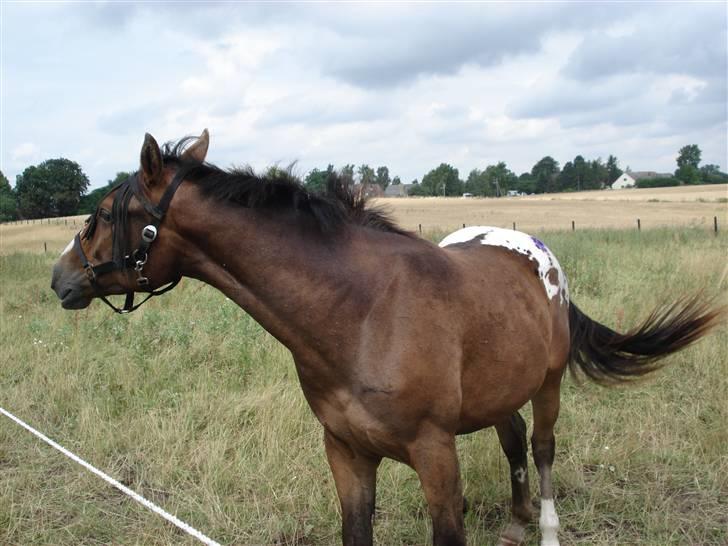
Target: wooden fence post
[420,229]
[639,225]
[573,226]
[715,225]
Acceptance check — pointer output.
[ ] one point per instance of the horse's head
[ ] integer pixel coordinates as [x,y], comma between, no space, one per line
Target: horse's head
[127,245]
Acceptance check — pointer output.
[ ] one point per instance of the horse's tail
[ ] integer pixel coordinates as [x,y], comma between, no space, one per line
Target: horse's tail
[608,357]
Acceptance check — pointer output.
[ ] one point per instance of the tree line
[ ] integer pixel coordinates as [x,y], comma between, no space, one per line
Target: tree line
[59,187]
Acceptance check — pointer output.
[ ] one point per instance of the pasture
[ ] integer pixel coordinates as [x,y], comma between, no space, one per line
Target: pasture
[657,207]
[191,403]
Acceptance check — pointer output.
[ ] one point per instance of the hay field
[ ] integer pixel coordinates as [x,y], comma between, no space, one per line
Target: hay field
[659,207]
[31,237]
[191,403]
[678,206]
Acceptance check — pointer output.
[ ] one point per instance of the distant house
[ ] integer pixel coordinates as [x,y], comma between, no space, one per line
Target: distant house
[368,190]
[629,179]
[397,190]
[624,181]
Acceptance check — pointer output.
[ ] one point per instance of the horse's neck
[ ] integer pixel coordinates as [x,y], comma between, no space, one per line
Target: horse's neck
[288,279]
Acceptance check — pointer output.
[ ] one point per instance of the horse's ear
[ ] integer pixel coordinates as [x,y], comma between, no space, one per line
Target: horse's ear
[197,151]
[151,160]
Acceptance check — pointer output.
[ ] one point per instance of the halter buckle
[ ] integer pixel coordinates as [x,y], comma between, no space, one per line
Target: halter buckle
[90,273]
[149,233]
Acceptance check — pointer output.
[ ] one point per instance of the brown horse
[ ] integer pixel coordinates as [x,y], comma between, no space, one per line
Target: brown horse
[399,344]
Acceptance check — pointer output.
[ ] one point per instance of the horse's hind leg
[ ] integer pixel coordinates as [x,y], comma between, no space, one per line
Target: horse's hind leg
[545,412]
[512,436]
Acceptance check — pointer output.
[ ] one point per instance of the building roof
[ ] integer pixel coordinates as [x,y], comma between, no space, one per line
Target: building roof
[637,175]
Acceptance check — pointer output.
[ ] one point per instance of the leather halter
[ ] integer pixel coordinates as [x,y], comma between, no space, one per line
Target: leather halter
[122,258]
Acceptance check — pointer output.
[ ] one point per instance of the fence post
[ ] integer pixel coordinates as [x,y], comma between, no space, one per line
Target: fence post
[514,226]
[463,225]
[573,226]
[420,229]
[715,225]
[639,225]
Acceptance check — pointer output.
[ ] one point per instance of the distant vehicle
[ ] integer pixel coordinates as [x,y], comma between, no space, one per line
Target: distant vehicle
[514,193]
[467,194]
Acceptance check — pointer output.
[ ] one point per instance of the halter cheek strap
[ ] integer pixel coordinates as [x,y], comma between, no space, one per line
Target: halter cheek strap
[122,259]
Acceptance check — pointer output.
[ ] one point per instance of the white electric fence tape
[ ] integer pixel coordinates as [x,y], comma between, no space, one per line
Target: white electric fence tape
[137,497]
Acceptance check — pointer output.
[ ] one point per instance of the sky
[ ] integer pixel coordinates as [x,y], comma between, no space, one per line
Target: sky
[408,85]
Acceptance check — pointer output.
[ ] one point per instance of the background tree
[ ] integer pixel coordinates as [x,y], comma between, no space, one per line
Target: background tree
[568,178]
[688,160]
[478,183]
[366,175]
[91,200]
[525,183]
[580,170]
[346,175]
[500,178]
[53,188]
[689,155]
[8,201]
[316,180]
[545,172]
[396,181]
[382,178]
[443,180]
[597,175]
[613,170]
[711,174]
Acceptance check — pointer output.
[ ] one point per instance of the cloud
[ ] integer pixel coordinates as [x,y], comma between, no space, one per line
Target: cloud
[404,85]
[26,151]
[678,39]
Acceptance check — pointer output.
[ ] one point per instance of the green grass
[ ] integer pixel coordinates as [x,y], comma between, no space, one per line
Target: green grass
[191,403]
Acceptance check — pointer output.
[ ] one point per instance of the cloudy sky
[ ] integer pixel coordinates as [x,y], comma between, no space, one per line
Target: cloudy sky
[403,85]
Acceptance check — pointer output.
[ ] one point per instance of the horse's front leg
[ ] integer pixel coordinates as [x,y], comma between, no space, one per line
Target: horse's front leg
[355,476]
[435,460]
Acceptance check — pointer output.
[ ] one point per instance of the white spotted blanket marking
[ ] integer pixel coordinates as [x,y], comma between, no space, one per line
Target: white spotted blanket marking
[522,243]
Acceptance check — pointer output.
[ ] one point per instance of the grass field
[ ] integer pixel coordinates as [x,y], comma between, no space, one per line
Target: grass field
[658,207]
[191,403]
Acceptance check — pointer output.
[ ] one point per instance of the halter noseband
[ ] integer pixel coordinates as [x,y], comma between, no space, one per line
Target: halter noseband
[122,258]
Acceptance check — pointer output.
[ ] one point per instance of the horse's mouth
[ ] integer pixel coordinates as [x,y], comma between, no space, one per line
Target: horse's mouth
[71,299]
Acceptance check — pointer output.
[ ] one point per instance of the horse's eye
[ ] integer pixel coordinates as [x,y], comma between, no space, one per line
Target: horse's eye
[105,215]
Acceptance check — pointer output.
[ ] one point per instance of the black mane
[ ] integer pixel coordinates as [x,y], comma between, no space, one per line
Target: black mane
[340,204]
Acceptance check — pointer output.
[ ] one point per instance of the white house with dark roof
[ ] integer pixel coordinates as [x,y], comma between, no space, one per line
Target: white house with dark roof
[629,179]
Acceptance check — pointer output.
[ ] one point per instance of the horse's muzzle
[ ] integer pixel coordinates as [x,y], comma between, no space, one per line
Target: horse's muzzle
[70,288]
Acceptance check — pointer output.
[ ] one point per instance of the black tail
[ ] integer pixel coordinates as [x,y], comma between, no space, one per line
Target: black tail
[607,357]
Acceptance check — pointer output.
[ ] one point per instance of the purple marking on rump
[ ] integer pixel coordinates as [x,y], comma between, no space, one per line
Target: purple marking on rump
[539,244]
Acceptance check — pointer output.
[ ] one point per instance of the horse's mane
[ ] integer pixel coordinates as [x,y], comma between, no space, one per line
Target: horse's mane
[339,204]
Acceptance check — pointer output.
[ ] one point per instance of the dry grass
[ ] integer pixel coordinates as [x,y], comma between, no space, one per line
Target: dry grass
[679,206]
[191,403]
[659,207]
[39,235]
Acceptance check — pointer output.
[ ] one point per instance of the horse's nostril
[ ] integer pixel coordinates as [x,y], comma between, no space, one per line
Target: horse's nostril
[65,293]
